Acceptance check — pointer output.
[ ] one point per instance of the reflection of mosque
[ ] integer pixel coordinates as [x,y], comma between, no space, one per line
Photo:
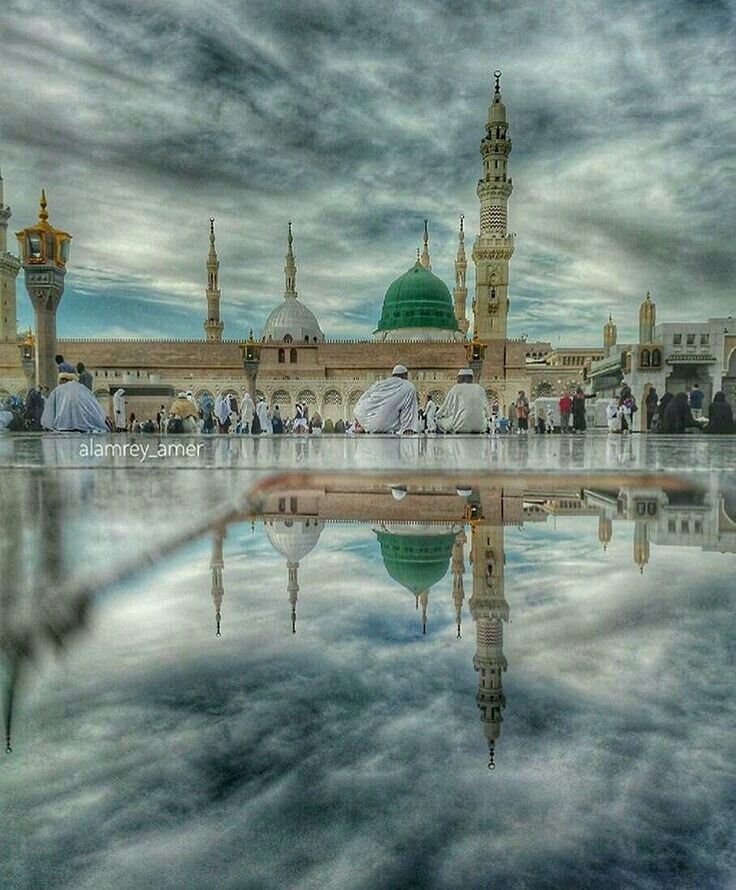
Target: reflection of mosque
[421,536]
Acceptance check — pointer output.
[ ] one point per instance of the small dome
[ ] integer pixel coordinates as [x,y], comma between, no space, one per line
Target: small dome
[418,299]
[416,561]
[294,538]
[292,318]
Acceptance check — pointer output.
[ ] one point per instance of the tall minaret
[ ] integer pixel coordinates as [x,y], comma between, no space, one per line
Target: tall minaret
[458,570]
[213,325]
[290,267]
[489,609]
[217,564]
[493,247]
[424,258]
[647,320]
[460,294]
[610,335]
[292,588]
[9,268]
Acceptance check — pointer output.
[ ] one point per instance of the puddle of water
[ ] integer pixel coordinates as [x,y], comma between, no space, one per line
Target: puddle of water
[383,638]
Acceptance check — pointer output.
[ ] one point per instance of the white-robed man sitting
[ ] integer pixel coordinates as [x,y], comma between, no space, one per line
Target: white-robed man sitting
[466,408]
[71,407]
[389,406]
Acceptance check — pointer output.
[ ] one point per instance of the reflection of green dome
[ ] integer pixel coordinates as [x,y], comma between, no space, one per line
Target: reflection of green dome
[417,562]
[417,299]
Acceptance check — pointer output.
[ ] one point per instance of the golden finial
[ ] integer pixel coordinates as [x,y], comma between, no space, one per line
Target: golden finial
[462,224]
[43,213]
[426,233]
[250,336]
[418,252]
[291,237]
[497,75]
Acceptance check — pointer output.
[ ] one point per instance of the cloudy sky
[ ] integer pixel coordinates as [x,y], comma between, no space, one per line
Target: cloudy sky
[151,754]
[357,120]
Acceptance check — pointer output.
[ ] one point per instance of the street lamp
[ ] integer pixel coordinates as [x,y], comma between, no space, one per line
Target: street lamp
[44,253]
[250,351]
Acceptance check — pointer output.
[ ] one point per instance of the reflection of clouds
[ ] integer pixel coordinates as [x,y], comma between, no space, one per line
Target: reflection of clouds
[338,757]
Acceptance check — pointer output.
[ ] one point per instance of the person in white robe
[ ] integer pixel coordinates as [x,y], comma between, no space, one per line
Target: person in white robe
[247,410]
[71,407]
[118,407]
[222,411]
[430,413]
[263,418]
[466,408]
[390,405]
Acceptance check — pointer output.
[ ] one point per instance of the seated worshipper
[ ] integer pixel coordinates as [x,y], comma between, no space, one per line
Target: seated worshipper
[186,412]
[720,415]
[430,415]
[389,406]
[466,408]
[85,378]
[340,426]
[71,407]
[300,424]
[34,409]
[316,424]
[677,416]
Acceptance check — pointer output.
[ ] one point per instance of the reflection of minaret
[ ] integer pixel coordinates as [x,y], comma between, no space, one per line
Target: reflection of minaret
[489,609]
[605,530]
[641,544]
[458,570]
[216,566]
[292,588]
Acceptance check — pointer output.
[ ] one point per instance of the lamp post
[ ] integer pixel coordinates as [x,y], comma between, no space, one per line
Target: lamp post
[476,352]
[44,253]
[251,352]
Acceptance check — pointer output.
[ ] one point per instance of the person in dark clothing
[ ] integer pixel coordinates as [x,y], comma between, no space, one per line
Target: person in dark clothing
[85,378]
[677,415]
[579,423]
[720,416]
[650,403]
[661,408]
[277,421]
[34,409]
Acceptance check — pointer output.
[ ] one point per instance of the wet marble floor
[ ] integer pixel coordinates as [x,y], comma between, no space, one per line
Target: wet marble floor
[290,663]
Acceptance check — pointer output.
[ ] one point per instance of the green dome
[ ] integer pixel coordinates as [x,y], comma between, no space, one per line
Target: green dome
[417,299]
[417,562]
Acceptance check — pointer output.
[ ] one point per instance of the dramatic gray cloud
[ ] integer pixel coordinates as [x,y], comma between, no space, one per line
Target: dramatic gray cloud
[351,754]
[357,120]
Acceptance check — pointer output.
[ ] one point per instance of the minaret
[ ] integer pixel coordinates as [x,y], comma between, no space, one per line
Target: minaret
[641,544]
[489,609]
[458,570]
[647,320]
[216,566]
[605,530]
[610,335]
[493,247]
[213,325]
[423,601]
[292,589]
[424,258]
[460,294]
[9,268]
[290,267]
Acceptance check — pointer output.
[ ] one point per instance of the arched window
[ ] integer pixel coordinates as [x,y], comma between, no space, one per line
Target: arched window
[282,356]
[656,358]
[292,355]
[288,338]
[645,358]
[306,338]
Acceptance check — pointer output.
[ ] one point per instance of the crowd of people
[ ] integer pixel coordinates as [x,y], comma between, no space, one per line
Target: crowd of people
[391,405]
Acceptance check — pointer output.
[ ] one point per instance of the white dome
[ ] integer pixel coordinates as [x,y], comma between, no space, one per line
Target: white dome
[294,319]
[294,538]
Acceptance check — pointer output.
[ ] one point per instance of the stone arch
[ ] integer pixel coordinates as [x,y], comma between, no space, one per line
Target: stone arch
[332,405]
[438,396]
[283,399]
[493,396]
[203,393]
[352,402]
[307,397]
[260,394]
[544,390]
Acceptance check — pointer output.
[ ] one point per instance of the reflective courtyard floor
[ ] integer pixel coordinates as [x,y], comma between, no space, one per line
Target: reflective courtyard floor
[291,663]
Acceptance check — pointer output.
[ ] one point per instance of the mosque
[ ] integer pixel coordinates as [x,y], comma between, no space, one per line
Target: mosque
[422,325]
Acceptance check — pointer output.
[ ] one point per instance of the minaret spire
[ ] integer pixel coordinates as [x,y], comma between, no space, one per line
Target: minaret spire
[213,326]
[424,602]
[290,267]
[9,268]
[424,259]
[647,319]
[292,588]
[458,570]
[494,246]
[460,294]
[217,563]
